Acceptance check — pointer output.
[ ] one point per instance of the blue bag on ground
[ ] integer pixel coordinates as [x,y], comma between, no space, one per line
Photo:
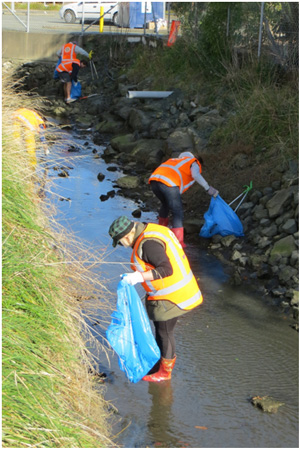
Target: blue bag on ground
[75,90]
[55,74]
[221,219]
[131,336]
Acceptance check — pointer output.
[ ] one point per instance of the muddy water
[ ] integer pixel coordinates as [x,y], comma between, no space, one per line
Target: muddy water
[231,348]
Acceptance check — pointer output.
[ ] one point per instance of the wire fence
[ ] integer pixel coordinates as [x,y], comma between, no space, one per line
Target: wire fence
[258,29]
[270,30]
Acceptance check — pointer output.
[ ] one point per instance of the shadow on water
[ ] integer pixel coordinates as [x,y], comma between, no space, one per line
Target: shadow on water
[234,346]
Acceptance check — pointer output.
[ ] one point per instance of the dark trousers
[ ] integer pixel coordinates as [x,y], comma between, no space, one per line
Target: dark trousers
[164,335]
[170,199]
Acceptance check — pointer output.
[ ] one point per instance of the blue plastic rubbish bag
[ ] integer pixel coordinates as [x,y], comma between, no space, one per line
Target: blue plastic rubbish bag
[75,90]
[221,219]
[131,336]
[55,74]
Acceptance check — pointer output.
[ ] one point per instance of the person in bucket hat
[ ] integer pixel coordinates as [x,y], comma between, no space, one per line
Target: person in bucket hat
[159,263]
[119,228]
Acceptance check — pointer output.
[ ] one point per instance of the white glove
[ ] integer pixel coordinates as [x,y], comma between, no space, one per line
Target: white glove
[132,278]
[213,192]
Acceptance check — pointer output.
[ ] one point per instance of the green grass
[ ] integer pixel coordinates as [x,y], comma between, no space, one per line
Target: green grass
[48,397]
[260,101]
[37,6]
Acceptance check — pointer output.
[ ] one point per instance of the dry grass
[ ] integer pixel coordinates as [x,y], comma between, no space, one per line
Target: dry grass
[51,298]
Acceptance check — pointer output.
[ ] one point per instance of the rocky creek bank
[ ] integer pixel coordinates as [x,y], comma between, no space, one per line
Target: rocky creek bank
[141,133]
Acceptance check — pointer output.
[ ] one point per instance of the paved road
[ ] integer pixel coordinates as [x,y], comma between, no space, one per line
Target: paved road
[50,22]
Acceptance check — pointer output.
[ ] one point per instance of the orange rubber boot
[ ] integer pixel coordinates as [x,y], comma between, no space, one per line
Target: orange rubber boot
[163,221]
[179,234]
[164,373]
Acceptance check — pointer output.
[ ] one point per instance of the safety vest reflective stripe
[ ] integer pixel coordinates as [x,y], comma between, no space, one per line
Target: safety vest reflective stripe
[164,179]
[67,66]
[171,173]
[64,67]
[189,302]
[180,284]
[68,52]
[29,118]
[181,287]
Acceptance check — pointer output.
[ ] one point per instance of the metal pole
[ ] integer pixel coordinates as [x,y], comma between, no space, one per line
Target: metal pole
[145,18]
[15,15]
[155,23]
[260,28]
[82,20]
[228,21]
[28,12]
[169,16]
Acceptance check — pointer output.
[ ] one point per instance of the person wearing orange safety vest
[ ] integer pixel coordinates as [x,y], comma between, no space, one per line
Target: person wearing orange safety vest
[28,124]
[68,72]
[69,51]
[69,66]
[161,266]
[169,181]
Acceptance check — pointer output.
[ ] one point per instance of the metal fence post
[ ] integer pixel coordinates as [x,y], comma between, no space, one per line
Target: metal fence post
[228,21]
[145,19]
[260,29]
[82,19]
[28,12]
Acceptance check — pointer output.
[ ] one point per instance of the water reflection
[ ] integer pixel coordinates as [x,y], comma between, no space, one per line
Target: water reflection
[160,415]
[233,347]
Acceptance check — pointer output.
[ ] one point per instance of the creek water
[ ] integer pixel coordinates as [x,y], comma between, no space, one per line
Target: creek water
[231,348]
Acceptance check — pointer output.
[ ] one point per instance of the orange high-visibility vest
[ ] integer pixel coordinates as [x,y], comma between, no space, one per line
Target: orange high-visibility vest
[68,52]
[176,172]
[31,119]
[181,287]
[67,66]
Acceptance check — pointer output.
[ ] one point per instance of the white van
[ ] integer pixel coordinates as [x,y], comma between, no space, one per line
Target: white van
[74,11]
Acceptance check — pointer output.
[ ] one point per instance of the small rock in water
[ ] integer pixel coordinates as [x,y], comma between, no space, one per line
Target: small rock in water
[63,174]
[266,403]
[73,149]
[111,193]
[136,213]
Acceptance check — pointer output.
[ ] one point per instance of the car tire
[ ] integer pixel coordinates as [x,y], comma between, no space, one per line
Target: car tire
[115,19]
[69,16]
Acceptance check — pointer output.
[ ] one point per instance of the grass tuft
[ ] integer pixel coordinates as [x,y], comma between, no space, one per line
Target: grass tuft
[49,398]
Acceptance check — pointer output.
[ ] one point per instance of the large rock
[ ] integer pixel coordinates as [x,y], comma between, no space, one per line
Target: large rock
[123,144]
[150,152]
[206,124]
[283,247]
[178,141]
[277,204]
[110,126]
[128,182]
[138,120]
